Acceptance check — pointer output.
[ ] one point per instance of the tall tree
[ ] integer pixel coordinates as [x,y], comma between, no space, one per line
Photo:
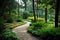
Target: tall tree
[7,5]
[46,15]
[34,11]
[46,2]
[37,7]
[56,13]
[25,2]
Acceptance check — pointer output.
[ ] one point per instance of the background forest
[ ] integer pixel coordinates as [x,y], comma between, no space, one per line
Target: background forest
[44,16]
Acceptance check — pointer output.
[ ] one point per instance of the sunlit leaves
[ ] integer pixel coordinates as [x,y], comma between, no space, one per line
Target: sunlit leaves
[49,6]
[49,2]
[41,6]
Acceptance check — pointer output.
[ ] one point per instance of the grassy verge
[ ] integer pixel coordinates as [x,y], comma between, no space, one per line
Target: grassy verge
[14,24]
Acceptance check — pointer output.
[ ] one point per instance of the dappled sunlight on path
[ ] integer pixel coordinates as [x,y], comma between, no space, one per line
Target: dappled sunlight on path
[22,33]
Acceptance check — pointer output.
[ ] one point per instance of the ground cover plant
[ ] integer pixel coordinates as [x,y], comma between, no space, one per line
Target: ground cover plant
[45,31]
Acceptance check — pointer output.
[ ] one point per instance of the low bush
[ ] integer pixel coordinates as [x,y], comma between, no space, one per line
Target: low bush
[8,35]
[59,20]
[59,24]
[51,19]
[9,20]
[38,25]
[48,32]
[51,34]
[38,19]
[41,19]
[19,19]
[2,26]
[25,14]
[14,24]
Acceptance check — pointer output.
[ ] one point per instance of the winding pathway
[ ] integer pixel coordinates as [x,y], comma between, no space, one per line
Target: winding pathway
[22,33]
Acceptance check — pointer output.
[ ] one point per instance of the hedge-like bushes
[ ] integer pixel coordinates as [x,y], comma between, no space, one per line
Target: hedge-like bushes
[38,19]
[8,35]
[46,32]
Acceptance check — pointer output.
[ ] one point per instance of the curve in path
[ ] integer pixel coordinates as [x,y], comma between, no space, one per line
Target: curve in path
[22,34]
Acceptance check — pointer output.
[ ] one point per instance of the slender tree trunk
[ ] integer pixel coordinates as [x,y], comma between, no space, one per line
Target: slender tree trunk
[25,5]
[18,9]
[37,8]
[56,13]
[42,12]
[46,14]
[34,11]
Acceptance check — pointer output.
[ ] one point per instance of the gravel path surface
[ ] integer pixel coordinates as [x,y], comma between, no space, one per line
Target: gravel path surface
[22,33]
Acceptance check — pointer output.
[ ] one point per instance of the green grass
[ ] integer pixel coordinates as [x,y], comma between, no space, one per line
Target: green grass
[14,24]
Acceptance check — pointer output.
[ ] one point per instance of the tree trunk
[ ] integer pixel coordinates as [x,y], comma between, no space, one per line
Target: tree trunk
[25,5]
[46,15]
[34,11]
[37,8]
[56,13]
[18,9]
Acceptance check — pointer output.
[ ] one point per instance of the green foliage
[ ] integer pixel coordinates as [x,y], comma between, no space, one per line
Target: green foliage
[2,20]
[7,6]
[51,34]
[25,14]
[41,19]
[38,19]
[38,25]
[48,2]
[48,32]
[8,35]
[59,19]
[51,19]
[9,20]
[24,1]
[19,20]
[2,26]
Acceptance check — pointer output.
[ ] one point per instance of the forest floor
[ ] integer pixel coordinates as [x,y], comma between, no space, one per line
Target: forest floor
[22,33]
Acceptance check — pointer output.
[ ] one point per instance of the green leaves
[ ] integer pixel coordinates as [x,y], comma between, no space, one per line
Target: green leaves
[49,3]
[41,6]
[9,35]
[8,5]
[2,20]
[24,1]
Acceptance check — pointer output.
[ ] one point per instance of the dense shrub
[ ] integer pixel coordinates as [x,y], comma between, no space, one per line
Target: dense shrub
[25,14]
[59,19]
[38,25]
[51,34]
[2,26]
[48,32]
[9,20]
[38,19]
[19,19]
[51,19]
[59,24]
[8,35]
